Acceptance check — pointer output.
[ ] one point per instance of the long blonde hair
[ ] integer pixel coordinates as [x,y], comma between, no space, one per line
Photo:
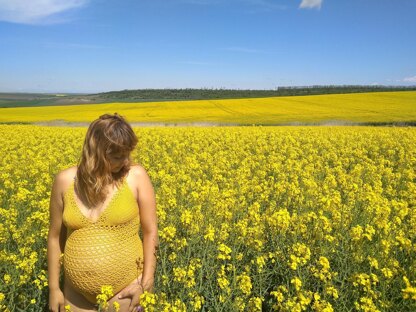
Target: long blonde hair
[107,135]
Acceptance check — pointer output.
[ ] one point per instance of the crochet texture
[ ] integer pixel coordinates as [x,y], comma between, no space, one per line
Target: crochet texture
[108,251]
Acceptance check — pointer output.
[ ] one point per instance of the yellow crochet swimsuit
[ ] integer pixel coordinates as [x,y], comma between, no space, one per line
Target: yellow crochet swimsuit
[108,251]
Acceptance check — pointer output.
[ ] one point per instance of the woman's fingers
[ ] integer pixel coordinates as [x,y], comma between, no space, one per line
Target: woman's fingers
[134,283]
[134,302]
[126,292]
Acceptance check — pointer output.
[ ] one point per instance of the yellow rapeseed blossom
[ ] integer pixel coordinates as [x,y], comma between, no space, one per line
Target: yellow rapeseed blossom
[409,292]
[301,254]
[366,304]
[168,233]
[254,304]
[239,209]
[102,298]
[244,283]
[210,233]
[224,252]
[116,306]
[297,283]
[148,301]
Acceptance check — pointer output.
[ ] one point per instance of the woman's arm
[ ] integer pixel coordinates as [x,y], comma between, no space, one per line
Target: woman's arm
[147,205]
[56,242]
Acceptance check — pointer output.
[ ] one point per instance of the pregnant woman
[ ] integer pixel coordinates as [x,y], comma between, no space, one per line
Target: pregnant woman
[96,211]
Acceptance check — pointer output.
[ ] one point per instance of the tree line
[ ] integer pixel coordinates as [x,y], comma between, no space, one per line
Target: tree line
[222,93]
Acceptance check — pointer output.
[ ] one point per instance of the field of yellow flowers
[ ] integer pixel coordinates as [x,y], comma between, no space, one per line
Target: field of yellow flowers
[373,107]
[250,218]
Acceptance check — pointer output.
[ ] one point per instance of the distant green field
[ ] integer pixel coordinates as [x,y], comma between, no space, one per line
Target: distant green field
[364,108]
[187,94]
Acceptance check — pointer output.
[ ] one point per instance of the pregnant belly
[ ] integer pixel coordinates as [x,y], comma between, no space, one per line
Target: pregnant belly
[95,257]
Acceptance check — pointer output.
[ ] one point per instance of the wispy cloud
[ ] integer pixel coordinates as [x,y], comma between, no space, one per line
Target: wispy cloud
[410,79]
[36,11]
[265,5]
[310,4]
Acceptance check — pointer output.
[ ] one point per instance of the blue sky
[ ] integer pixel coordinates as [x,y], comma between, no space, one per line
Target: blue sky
[104,45]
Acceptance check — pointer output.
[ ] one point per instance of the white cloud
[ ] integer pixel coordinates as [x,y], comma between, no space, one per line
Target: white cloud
[410,79]
[310,4]
[35,11]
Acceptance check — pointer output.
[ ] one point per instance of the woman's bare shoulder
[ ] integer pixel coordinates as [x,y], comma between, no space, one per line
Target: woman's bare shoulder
[64,177]
[68,172]
[137,170]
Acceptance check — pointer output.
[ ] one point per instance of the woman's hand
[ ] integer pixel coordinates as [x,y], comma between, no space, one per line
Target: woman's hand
[56,301]
[134,290]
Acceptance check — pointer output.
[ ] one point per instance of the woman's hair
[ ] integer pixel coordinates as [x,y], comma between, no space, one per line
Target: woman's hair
[106,136]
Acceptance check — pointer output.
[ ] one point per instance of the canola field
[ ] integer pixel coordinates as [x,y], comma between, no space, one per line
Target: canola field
[250,218]
[375,107]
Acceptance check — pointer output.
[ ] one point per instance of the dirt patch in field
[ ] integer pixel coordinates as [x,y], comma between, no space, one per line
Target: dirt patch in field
[63,123]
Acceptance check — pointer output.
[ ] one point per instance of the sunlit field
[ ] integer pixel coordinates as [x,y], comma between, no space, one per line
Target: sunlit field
[375,107]
[250,218]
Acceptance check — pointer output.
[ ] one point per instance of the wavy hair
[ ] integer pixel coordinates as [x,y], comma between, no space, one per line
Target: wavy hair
[106,136]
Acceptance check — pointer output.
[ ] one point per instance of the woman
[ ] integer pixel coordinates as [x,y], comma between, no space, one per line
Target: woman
[96,210]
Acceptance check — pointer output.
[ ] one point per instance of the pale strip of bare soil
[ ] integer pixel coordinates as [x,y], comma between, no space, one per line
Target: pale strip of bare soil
[64,123]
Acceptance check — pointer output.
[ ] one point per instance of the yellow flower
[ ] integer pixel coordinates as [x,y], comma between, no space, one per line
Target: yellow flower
[387,272]
[179,274]
[210,234]
[332,291]
[148,301]
[7,278]
[224,252]
[168,233]
[366,304]
[197,300]
[323,261]
[254,304]
[409,292]
[244,283]
[278,295]
[369,232]
[301,255]
[106,293]
[260,262]
[356,233]
[172,256]
[297,282]
[222,280]
[373,262]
